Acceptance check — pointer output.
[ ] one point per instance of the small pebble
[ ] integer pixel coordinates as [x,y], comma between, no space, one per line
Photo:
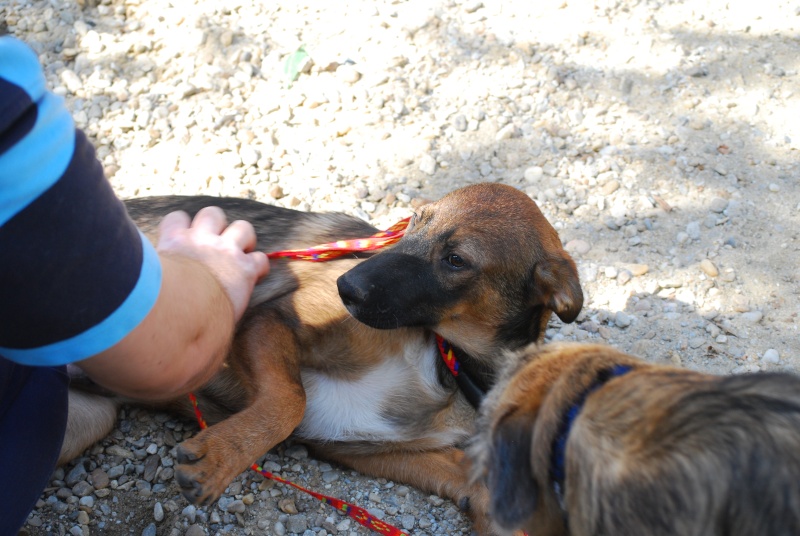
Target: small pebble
[236,507]
[116,450]
[427,164]
[533,174]
[348,73]
[771,356]
[197,530]
[297,524]
[578,247]
[624,277]
[709,268]
[330,476]
[435,500]
[609,188]
[696,342]
[190,513]
[298,452]
[116,471]
[752,316]
[460,123]
[636,269]
[82,489]
[622,320]
[718,205]
[158,512]
[471,6]
[506,133]
[287,505]
[693,230]
[76,474]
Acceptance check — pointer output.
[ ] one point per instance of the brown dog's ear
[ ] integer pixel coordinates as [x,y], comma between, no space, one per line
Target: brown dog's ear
[559,287]
[512,489]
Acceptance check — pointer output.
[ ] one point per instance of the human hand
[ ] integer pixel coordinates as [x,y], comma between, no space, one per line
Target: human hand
[226,250]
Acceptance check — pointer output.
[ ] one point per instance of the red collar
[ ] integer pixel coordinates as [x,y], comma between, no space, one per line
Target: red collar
[466,384]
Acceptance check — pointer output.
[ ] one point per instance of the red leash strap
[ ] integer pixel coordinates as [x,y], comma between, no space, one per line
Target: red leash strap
[332,250]
[355,512]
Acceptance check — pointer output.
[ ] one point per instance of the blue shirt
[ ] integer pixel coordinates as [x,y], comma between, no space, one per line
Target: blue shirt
[76,275]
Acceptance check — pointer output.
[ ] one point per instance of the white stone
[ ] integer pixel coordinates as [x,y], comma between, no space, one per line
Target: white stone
[771,356]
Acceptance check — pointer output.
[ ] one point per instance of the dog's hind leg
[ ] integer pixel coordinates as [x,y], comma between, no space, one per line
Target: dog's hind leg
[443,472]
[91,417]
[210,460]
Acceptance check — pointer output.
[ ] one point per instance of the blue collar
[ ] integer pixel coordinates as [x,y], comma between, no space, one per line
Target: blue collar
[558,456]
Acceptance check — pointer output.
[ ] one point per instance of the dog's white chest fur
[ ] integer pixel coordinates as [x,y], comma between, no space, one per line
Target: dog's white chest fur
[362,409]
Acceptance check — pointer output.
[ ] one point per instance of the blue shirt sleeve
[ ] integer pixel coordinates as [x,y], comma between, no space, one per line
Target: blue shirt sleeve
[76,275]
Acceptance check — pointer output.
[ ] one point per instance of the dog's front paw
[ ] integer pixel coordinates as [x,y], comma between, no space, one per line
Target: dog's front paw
[206,467]
[475,503]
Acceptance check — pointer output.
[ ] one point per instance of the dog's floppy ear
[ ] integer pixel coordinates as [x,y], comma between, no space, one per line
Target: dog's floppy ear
[559,287]
[512,489]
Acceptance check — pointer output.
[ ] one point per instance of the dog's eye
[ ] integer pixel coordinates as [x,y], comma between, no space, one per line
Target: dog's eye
[455,261]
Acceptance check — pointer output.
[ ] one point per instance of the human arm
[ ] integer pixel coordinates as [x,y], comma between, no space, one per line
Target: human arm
[208,273]
[79,282]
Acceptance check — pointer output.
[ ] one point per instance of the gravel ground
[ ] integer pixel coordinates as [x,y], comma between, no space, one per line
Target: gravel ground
[659,137]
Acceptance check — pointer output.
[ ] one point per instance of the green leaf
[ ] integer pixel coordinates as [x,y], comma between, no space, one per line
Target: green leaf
[293,64]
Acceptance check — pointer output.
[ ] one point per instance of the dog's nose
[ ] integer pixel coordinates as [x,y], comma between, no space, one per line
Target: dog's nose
[349,293]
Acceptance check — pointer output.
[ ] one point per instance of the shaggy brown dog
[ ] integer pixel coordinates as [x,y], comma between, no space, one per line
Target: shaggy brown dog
[342,354]
[581,439]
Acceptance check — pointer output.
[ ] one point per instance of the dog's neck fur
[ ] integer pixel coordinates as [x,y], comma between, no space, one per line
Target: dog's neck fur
[558,472]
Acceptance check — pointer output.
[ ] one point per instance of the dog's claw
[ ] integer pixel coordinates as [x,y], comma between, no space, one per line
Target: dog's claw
[185,456]
[192,490]
[464,505]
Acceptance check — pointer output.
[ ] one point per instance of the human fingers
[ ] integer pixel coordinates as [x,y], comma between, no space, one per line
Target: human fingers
[242,234]
[260,262]
[173,222]
[210,219]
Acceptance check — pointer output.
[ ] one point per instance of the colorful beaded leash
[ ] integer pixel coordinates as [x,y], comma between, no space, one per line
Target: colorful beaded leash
[321,253]
[332,250]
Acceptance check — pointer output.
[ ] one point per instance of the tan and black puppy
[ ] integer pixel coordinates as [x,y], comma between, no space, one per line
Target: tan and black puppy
[342,354]
[581,439]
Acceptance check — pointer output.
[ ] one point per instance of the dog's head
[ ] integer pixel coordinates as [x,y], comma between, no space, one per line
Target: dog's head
[590,436]
[519,420]
[500,452]
[482,267]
